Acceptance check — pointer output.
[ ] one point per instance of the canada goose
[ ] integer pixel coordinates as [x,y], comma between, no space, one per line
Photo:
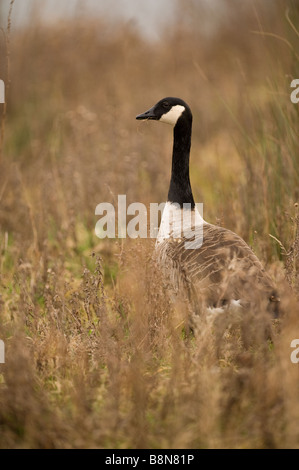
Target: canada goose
[222,271]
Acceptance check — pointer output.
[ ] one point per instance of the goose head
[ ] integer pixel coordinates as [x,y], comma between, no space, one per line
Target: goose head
[169,110]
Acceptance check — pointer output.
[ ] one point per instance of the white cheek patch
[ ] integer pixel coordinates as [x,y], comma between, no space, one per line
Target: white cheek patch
[173,115]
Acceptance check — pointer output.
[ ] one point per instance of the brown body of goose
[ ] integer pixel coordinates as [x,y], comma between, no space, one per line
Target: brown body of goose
[223,270]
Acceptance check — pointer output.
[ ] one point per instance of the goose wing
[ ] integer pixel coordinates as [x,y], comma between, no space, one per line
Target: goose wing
[223,269]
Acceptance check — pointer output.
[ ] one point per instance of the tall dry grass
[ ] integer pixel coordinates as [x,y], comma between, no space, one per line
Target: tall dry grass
[96,350]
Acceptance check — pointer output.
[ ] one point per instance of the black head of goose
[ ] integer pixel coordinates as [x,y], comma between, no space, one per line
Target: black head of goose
[223,270]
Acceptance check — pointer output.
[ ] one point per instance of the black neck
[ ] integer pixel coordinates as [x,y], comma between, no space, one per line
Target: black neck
[180,190]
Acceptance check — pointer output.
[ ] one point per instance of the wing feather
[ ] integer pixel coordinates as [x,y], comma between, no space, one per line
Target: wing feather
[222,270]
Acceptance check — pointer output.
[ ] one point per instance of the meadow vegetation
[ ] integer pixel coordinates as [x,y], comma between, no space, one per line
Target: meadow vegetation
[96,350]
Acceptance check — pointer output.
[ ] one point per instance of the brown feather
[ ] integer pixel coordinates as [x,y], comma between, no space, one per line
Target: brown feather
[223,269]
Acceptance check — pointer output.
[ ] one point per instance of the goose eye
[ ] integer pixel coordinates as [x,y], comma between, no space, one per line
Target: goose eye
[165,104]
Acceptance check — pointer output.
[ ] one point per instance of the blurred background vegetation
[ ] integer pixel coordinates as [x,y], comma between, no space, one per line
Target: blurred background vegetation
[91,358]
